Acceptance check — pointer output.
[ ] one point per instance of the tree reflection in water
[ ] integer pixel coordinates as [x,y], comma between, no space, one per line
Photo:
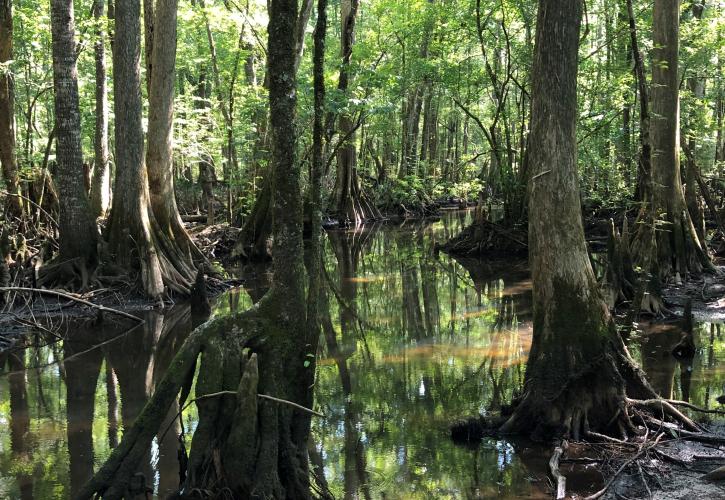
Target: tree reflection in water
[411,341]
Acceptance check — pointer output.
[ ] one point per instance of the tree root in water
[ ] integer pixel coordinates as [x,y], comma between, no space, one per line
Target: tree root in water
[487,238]
[635,427]
[245,444]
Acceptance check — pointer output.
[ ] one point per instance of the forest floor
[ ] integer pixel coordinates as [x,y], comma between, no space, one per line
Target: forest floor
[707,294]
[674,472]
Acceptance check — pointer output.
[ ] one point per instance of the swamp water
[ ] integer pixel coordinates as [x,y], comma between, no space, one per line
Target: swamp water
[411,342]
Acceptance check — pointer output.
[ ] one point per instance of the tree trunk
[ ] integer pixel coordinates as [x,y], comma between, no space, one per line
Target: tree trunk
[78,233]
[644,167]
[575,376]
[148,39]
[227,109]
[679,251]
[244,445]
[7,112]
[254,241]
[624,50]
[351,206]
[181,251]
[101,183]
[411,120]
[696,85]
[134,237]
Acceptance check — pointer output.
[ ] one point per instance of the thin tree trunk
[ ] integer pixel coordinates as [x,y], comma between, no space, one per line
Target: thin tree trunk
[101,183]
[314,250]
[644,169]
[696,85]
[78,233]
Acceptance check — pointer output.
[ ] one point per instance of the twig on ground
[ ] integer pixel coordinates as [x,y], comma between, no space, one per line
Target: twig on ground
[642,450]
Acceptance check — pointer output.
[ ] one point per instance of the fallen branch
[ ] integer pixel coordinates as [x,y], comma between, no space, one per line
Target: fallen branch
[284,401]
[702,437]
[642,450]
[71,297]
[666,408]
[554,466]
[234,393]
[693,407]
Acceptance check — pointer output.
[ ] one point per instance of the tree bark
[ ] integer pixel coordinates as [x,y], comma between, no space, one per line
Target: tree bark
[182,251]
[78,233]
[679,250]
[148,34]
[134,237]
[577,367]
[7,112]
[101,183]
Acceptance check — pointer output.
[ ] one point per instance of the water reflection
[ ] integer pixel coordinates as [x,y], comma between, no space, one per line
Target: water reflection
[67,423]
[699,380]
[19,422]
[412,340]
[81,376]
[433,341]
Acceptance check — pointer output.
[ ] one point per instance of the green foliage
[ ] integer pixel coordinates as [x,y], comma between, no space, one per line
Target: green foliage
[427,50]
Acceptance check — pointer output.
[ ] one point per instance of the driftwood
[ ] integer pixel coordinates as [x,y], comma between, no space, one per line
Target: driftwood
[194,218]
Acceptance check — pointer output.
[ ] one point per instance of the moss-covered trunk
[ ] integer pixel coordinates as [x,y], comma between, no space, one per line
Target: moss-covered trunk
[246,444]
[578,369]
[679,250]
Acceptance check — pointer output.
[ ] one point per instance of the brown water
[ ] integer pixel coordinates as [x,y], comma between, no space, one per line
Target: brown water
[413,341]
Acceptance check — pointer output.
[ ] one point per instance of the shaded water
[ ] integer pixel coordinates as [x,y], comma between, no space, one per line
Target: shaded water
[411,342]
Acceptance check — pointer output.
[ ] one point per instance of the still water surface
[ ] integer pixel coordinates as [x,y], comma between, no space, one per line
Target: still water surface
[411,341]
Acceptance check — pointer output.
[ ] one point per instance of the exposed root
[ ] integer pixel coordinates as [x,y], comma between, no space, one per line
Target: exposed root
[666,408]
[487,238]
